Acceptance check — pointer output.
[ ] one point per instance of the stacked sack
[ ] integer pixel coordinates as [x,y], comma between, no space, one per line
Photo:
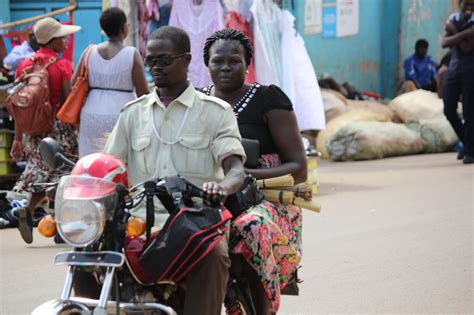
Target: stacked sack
[361,130]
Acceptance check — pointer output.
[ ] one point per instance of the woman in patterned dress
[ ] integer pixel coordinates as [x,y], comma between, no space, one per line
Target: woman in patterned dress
[267,236]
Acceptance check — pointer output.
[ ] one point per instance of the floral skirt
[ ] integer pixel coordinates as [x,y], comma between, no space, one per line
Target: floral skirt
[268,236]
[36,171]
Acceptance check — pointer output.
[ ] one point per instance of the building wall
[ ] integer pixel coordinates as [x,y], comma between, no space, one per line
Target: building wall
[4,11]
[372,59]
[424,19]
[87,16]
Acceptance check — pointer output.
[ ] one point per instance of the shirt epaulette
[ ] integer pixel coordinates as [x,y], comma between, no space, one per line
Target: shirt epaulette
[214,100]
[135,101]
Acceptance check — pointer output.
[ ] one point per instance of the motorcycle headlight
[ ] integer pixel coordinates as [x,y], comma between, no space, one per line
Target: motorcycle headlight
[81,208]
[80,222]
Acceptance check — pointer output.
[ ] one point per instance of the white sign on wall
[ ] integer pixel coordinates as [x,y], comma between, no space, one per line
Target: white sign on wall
[313,12]
[347,23]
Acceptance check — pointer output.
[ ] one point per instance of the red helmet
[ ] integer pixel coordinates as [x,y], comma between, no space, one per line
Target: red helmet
[110,169]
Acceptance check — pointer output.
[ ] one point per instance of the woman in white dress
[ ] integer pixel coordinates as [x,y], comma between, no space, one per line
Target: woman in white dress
[116,76]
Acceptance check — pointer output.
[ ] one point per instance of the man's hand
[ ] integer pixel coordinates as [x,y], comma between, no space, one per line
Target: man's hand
[17,150]
[450,28]
[213,188]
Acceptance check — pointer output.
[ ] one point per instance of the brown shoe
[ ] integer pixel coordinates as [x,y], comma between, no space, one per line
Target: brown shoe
[25,224]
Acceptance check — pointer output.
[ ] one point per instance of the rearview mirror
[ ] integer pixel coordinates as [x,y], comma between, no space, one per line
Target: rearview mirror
[51,153]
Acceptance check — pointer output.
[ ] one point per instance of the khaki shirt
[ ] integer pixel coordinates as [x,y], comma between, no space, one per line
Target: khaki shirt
[208,135]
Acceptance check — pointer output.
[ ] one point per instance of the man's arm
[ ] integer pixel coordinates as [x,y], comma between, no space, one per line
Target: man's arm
[410,73]
[228,151]
[458,38]
[233,180]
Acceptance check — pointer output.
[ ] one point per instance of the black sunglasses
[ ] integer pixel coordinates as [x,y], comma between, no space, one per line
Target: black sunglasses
[163,60]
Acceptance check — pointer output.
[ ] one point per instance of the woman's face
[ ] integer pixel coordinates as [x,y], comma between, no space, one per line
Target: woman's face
[59,44]
[227,65]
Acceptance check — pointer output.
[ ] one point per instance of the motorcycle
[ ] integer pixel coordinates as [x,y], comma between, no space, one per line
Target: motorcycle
[93,215]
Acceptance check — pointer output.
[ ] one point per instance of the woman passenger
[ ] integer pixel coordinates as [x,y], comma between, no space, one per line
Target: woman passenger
[267,236]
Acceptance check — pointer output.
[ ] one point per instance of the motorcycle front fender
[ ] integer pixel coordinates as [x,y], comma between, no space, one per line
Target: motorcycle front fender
[56,307]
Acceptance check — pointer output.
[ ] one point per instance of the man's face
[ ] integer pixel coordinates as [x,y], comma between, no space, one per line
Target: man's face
[421,51]
[467,8]
[167,65]
[32,41]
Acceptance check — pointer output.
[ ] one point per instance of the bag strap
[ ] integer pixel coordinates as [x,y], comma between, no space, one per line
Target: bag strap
[150,188]
[85,64]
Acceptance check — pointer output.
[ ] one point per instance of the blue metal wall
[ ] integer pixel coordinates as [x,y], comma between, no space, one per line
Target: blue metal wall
[371,60]
[87,16]
[388,29]
[4,11]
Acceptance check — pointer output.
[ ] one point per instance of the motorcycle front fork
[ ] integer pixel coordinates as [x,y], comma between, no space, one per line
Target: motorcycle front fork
[101,308]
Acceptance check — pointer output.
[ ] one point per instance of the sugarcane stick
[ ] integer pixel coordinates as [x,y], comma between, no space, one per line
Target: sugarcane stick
[281,196]
[310,205]
[285,180]
[288,198]
[302,190]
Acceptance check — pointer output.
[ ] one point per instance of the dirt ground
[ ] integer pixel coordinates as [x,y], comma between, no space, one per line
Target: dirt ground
[394,236]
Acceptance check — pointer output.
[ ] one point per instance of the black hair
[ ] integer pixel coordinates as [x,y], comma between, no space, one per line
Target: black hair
[176,35]
[112,21]
[228,34]
[422,43]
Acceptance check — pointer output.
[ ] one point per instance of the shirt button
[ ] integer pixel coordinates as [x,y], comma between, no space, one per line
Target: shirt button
[165,167]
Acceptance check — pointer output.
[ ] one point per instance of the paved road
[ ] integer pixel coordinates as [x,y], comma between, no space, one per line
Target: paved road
[395,236]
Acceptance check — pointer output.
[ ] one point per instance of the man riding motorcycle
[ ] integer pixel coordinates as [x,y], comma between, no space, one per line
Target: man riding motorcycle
[176,130]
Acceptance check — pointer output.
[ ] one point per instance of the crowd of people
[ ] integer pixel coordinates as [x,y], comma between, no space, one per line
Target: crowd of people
[196,132]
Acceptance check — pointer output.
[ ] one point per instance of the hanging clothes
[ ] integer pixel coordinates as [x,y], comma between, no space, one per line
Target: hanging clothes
[266,33]
[235,19]
[300,82]
[199,21]
[148,11]
[165,11]
[130,10]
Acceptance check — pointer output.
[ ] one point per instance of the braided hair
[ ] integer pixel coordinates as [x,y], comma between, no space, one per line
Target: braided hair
[228,34]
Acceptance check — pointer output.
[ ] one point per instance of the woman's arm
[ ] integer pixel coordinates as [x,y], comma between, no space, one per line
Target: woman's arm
[66,90]
[285,134]
[138,75]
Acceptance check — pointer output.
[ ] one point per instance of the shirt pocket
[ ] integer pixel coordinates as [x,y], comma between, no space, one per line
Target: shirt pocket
[193,156]
[140,147]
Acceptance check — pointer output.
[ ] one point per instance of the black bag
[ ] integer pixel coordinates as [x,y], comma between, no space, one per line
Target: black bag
[191,231]
[248,196]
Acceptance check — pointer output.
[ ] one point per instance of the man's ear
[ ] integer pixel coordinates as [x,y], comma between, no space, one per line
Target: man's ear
[188,58]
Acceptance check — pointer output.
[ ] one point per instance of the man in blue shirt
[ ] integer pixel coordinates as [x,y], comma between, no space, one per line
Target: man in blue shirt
[20,52]
[420,69]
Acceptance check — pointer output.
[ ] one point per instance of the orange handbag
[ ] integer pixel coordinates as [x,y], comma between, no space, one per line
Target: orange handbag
[70,112]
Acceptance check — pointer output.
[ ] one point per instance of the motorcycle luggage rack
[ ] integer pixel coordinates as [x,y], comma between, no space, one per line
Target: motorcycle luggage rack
[102,259]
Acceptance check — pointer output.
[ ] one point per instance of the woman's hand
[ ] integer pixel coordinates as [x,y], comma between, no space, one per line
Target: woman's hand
[17,150]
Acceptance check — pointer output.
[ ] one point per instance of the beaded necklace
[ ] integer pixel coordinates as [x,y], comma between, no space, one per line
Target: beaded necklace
[243,102]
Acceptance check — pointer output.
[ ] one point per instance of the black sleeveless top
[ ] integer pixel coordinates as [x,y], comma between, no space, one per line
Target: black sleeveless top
[251,120]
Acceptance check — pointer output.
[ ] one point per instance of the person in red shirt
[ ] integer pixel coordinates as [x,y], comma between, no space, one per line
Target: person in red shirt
[52,38]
